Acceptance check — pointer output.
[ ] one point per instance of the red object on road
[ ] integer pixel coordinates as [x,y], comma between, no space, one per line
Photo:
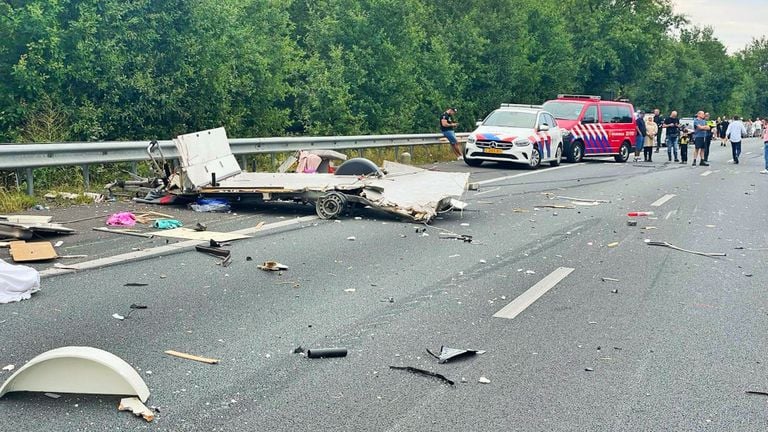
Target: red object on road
[640,213]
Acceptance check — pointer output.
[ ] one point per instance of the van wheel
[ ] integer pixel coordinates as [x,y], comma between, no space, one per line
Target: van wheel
[535,160]
[558,157]
[577,152]
[624,151]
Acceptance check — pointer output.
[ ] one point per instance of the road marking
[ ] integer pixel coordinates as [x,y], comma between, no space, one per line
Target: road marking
[669,215]
[706,173]
[498,179]
[660,202]
[527,298]
[164,250]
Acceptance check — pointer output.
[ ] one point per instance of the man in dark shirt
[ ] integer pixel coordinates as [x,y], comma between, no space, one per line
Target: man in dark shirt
[672,126]
[447,125]
[640,136]
[659,121]
[723,127]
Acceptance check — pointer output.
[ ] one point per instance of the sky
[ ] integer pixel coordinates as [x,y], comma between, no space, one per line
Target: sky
[735,22]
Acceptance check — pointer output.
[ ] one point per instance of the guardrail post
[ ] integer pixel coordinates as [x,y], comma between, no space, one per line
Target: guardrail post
[87,176]
[272,161]
[134,168]
[410,150]
[30,182]
[244,163]
[397,153]
[360,152]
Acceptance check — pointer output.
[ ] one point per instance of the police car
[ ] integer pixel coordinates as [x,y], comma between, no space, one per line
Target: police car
[524,134]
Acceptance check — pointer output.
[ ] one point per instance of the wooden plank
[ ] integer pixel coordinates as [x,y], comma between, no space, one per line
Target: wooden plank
[192,357]
[38,251]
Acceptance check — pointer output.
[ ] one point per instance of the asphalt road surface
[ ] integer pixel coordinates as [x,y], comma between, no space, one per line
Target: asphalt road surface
[673,343]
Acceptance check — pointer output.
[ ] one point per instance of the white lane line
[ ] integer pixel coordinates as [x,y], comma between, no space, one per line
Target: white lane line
[498,179]
[163,250]
[669,215]
[706,173]
[527,298]
[660,202]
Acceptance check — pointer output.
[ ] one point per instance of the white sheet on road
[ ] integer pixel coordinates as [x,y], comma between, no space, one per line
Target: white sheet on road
[190,234]
[17,282]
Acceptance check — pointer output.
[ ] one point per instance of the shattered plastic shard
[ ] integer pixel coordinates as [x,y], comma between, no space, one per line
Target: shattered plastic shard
[73,369]
[447,354]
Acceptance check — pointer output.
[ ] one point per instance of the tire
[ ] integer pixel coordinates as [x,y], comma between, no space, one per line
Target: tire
[558,156]
[473,162]
[576,153]
[624,152]
[331,205]
[534,161]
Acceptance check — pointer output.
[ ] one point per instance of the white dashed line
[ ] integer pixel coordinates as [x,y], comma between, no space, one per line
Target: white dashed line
[706,173]
[660,202]
[533,293]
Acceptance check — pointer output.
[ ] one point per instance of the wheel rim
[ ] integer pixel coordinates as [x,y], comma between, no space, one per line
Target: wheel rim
[558,154]
[624,152]
[577,152]
[331,205]
[535,158]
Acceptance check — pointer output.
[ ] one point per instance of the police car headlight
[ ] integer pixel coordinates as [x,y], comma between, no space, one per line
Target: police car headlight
[522,142]
[471,139]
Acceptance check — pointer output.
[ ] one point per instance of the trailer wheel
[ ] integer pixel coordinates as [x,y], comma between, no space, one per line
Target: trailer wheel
[331,205]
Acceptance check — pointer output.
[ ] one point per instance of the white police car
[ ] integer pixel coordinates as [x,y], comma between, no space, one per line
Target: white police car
[524,134]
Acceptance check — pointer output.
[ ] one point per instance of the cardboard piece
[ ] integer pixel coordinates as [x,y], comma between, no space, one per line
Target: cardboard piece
[38,251]
[26,219]
[190,234]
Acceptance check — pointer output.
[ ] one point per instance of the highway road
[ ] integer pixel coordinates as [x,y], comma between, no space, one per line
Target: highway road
[671,341]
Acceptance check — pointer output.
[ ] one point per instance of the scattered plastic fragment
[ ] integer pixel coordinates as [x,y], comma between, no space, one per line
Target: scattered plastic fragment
[58,243]
[350,290]
[298,350]
[135,406]
[423,372]
[639,213]
[755,392]
[272,266]
[118,316]
[483,380]
[351,238]
[589,369]
[530,272]
[52,395]
[191,357]
[631,222]
[326,352]
[388,300]
[199,226]
[136,284]
[608,279]
[9,368]
[614,291]
[447,354]
[612,245]
[671,246]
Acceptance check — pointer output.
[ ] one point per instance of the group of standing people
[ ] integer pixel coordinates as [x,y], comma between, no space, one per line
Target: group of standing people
[649,129]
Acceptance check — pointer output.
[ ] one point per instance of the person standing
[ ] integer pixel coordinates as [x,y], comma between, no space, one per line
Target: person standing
[765,147]
[685,138]
[710,132]
[651,130]
[758,127]
[640,134]
[736,131]
[447,126]
[672,126]
[659,121]
[700,129]
[723,127]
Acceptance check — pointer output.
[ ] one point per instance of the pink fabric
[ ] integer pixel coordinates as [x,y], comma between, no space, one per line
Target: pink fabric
[765,133]
[308,162]
[122,219]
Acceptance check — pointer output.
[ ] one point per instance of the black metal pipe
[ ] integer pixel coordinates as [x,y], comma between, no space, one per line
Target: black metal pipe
[326,352]
[213,179]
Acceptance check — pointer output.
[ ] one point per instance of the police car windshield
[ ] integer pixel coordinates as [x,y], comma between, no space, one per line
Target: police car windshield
[564,110]
[514,119]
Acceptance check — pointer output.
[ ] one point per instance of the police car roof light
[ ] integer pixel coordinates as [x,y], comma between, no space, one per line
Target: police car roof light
[509,105]
[569,96]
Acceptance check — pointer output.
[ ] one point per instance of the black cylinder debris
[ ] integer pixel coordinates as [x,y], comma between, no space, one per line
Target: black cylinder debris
[326,352]
[213,179]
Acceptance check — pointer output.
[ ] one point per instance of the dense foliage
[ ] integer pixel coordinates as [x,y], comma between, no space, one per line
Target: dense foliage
[139,69]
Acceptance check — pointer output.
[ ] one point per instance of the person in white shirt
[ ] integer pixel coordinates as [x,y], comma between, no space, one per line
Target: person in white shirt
[735,132]
[758,128]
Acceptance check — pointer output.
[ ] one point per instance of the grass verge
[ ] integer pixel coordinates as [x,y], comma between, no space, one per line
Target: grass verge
[13,201]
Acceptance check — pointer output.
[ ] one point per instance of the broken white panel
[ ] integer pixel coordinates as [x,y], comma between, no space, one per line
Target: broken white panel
[204,153]
[289,182]
[190,234]
[82,370]
[414,191]
[17,282]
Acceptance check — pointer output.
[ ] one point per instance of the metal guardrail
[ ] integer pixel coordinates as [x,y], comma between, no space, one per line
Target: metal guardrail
[30,156]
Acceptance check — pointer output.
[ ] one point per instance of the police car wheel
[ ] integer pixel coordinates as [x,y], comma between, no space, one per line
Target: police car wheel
[558,157]
[535,160]
[473,162]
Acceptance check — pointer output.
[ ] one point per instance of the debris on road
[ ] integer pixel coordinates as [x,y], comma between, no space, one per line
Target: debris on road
[639,213]
[447,354]
[583,200]
[199,226]
[614,291]
[350,290]
[136,284]
[453,236]
[483,380]
[65,266]
[326,352]
[613,245]
[210,205]
[9,367]
[17,282]
[52,395]
[167,224]
[77,369]
[117,316]
[272,266]
[351,238]
[122,219]
[125,232]
[224,254]
[26,219]
[631,222]
[26,231]
[555,206]
[589,369]
[388,300]
[608,279]
[756,392]
[671,246]
[423,372]
[135,406]
[192,357]
[194,234]
[298,350]
[22,251]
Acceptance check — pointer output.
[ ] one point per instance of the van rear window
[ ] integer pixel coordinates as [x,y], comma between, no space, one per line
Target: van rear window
[564,110]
